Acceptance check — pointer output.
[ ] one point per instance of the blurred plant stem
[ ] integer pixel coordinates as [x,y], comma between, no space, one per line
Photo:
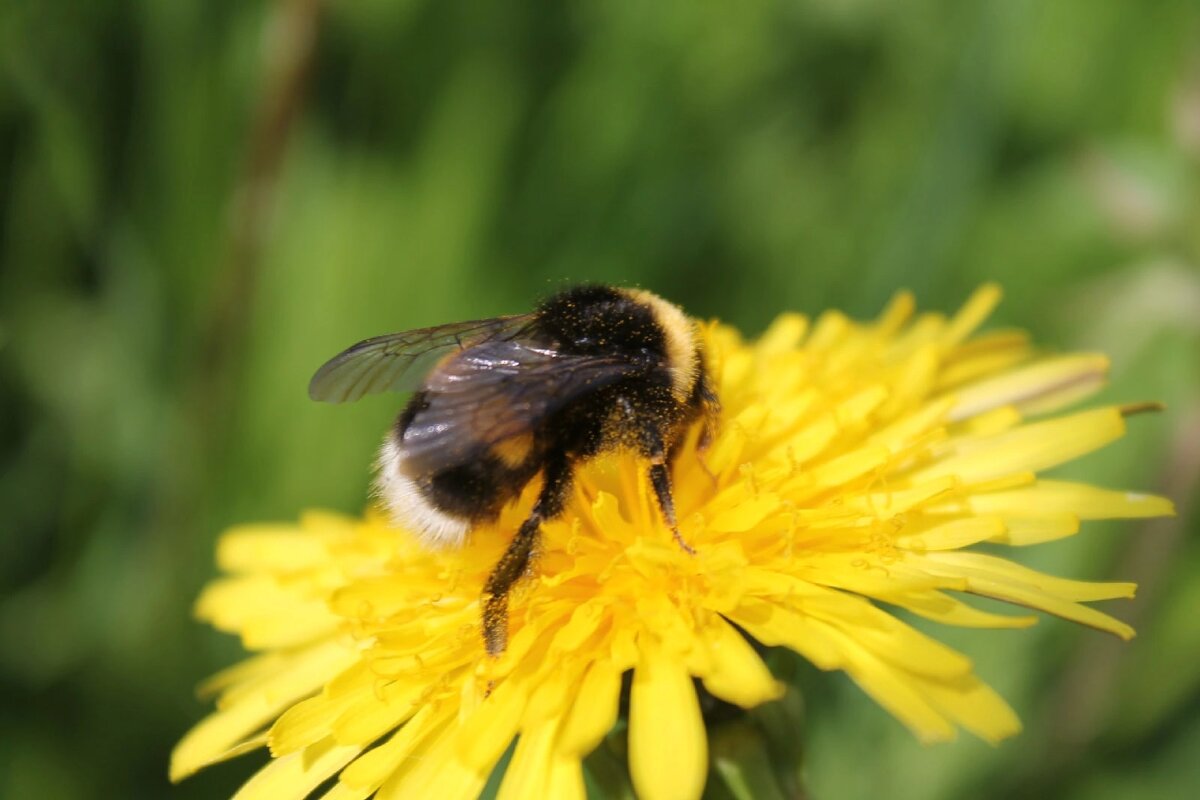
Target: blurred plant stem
[605,769]
[289,40]
[739,756]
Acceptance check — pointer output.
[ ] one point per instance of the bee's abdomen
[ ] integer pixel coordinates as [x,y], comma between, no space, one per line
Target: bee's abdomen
[441,507]
[407,500]
[478,490]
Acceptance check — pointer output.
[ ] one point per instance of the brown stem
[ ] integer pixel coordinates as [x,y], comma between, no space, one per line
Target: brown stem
[206,397]
[290,41]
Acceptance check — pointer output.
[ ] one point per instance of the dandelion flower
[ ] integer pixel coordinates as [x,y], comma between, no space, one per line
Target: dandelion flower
[857,467]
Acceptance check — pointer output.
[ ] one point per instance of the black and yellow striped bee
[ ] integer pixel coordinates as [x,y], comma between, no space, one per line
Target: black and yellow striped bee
[500,401]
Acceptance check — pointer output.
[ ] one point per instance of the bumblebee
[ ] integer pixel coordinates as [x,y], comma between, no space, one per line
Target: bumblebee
[498,402]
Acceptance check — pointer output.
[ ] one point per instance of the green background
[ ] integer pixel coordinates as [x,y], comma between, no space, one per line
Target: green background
[199,202]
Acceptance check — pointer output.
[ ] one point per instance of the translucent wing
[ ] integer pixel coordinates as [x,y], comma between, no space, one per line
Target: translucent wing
[398,362]
[498,390]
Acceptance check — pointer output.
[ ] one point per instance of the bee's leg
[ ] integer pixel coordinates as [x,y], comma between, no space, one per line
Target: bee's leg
[515,561]
[651,446]
[710,412]
[712,476]
[660,479]
[507,572]
[708,406]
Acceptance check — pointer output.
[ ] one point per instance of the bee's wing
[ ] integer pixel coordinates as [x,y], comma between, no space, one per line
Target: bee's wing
[495,391]
[398,361]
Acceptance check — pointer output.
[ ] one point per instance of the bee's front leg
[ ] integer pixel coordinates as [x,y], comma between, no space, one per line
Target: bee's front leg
[515,561]
[651,446]
[660,480]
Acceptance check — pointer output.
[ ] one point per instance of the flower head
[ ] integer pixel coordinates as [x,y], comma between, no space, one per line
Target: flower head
[856,466]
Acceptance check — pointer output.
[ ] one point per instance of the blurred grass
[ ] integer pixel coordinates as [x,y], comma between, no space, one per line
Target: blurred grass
[196,209]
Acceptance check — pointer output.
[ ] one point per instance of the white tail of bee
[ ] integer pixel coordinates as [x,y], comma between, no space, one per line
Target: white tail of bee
[408,507]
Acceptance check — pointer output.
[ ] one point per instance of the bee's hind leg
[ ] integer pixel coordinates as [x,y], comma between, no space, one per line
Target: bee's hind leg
[506,573]
[513,564]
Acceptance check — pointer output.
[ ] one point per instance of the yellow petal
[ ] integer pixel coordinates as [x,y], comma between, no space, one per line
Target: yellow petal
[593,712]
[265,612]
[1028,529]
[858,407]
[554,694]
[1000,483]
[916,378]
[1042,592]
[528,774]
[738,675]
[898,644]
[895,314]
[246,671]
[270,548]
[844,468]
[928,706]
[810,440]
[579,628]
[340,791]
[773,625]
[893,688]
[744,515]
[947,610]
[783,335]
[830,329]
[565,779]
[369,771]
[972,704]
[927,328]
[297,774]
[863,574]
[897,435]
[977,308]
[484,736]
[383,596]
[305,723]
[980,564]
[1031,447]
[254,707]
[373,714]
[896,501]
[434,770]
[313,719]
[1040,387]
[988,423]
[1079,499]
[950,535]
[668,750]
[993,352]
